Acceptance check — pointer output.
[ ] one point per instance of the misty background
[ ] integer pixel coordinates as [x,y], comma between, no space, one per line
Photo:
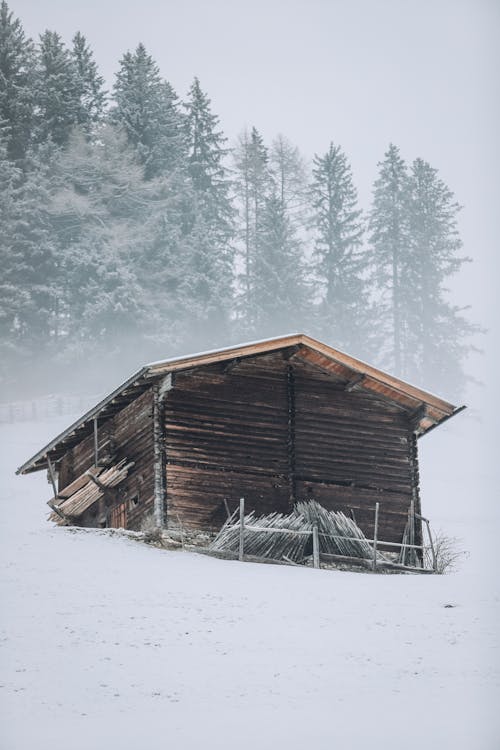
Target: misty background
[358,75]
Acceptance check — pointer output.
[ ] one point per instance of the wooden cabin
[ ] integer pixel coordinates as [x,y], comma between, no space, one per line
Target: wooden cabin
[273,421]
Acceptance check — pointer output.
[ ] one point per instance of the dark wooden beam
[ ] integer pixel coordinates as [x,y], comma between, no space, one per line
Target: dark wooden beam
[229,367]
[290,352]
[356,380]
[290,376]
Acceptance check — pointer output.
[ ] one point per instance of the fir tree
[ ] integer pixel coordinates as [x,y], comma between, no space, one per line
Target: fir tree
[147,108]
[438,334]
[58,91]
[212,216]
[389,242]
[92,96]
[253,185]
[288,169]
[338,265]
[16,84]
[279,287]
[99,210]
[28,260]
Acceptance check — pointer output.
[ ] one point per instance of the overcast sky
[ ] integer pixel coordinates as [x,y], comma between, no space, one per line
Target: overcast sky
[360,73]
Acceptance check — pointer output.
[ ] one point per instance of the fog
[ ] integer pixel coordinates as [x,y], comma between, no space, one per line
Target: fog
[361,74]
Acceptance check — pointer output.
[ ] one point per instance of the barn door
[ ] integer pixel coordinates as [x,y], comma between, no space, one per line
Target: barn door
[119,516]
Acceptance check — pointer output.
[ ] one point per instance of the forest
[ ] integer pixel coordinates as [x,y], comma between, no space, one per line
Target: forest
[132,230]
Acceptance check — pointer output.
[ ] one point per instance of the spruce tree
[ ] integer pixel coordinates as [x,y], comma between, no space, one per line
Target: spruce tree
[288,170]
[147,108]
[253,185]
[16,84]
[389,242]
[92,97]
[58,91]
[279,296]
[438,333]
[212,217]
[338,262]
[28,260]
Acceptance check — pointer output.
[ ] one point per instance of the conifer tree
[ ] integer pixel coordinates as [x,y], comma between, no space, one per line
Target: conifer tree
[58,91]
[99,212]
[147,108]
[212,216]
[389,242]
[288,169]
[279,287]
[92,96]
[28,260]
[338,263]
[253,185]
[438,333]
[16,84]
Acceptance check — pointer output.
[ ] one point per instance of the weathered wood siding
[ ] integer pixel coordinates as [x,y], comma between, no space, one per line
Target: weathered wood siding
[271,428]
[129,434]
[352,450]
[274,430]
[226,437]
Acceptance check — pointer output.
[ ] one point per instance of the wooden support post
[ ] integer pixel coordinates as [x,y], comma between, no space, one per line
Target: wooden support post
[96,443]
[315,537]
[375,535]
[52,476]
[241,550]
[412,531]
[159,481]
[433,551]
[291,434]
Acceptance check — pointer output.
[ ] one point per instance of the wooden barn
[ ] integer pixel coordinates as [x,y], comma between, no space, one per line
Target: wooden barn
[274,421]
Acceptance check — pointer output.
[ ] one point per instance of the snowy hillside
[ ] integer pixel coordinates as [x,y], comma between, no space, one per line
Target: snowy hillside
[107,643]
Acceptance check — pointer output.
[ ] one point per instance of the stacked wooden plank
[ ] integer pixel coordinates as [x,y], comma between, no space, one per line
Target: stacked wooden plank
[338,534]
[278,536]
[274,536]
[85,491]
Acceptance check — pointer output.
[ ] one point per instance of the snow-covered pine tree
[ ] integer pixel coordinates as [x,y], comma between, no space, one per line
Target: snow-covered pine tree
[279,287]
[99,213]
[288,169]
[439,336]
[92,97]
[253,184]
[16,84]
[211,217]
[338,261]
[28,262]
[147,108]
[389,247]
[58,91]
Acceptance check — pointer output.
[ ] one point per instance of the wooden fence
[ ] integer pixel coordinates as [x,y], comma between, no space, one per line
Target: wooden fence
[45,408]
[427,551]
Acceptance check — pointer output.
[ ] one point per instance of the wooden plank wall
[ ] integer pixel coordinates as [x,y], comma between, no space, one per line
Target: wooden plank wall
[130,434]
[352,450]
[226,437]
[227,434]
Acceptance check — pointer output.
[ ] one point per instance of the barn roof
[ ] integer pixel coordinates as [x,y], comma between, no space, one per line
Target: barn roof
[426,409]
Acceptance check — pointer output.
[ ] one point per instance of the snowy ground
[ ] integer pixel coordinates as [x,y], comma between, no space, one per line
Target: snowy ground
[106,643]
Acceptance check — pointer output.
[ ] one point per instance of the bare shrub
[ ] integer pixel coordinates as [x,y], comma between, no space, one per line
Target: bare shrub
[449,552]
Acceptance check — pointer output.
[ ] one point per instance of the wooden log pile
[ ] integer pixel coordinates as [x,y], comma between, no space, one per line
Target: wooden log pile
[338,534]
[279,536]
[89,491]
[275,536]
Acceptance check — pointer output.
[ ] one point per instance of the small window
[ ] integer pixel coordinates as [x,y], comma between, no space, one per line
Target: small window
[134,502]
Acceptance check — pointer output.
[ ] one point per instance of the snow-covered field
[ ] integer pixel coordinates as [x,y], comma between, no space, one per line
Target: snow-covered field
[107,643]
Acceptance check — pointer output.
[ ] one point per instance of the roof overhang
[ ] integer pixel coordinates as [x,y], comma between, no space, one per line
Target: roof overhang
[425,409]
